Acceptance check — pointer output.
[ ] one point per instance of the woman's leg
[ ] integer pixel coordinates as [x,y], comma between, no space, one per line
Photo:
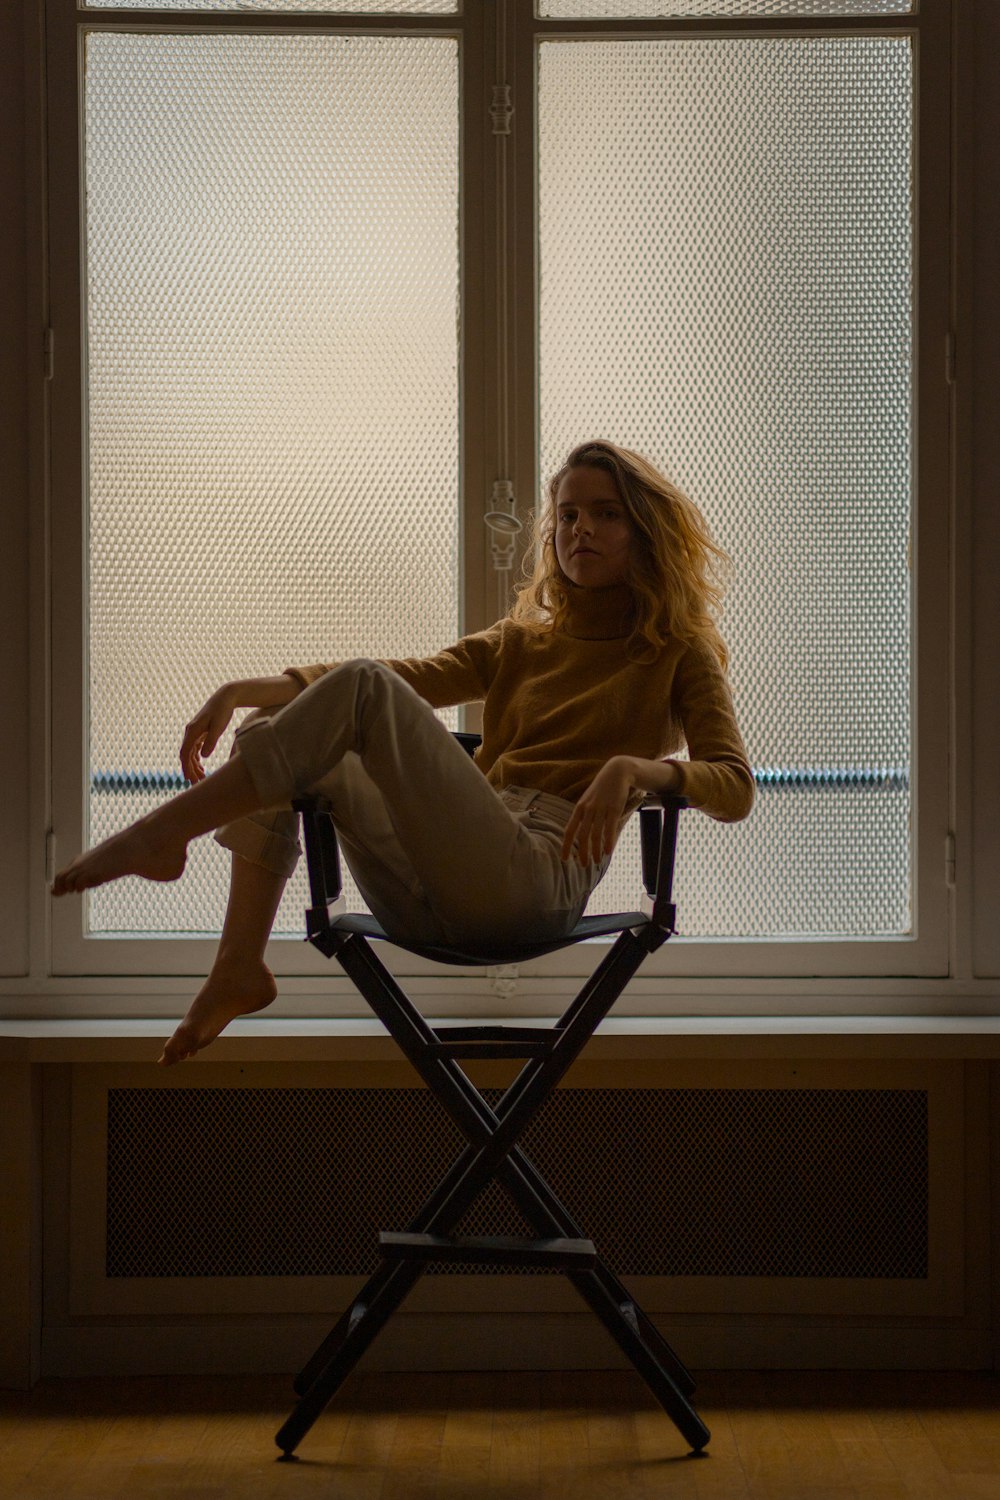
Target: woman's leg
[156,846]
[480,870]
[439,856]
[462,866]
[334,715]
[240,981]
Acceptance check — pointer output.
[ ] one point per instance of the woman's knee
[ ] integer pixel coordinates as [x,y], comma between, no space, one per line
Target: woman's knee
[360,678]
[255,716]
[363,667]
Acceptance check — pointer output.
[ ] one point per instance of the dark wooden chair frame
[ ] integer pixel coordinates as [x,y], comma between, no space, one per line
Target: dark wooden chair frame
[492,1133]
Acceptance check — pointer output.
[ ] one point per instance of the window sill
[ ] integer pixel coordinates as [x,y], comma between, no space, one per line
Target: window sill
[618,1038]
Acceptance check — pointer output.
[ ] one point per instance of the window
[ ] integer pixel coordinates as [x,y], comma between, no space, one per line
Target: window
[272,355]
[353,279]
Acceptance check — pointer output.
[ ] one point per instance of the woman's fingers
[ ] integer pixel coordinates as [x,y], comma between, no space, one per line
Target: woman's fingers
[568,837]
[600,839]
[592,831]
[581,837]
[191,752]
[603,835]
[587,842]
[203,733]
[596,817]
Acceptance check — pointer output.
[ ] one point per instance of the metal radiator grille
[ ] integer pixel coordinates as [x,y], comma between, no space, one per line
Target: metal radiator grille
[667,1182]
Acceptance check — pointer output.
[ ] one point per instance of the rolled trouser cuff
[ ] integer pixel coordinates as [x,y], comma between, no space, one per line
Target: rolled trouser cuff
[272,776]
[260,844]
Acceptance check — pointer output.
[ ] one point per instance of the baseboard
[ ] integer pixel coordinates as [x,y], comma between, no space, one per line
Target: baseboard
[527,1342]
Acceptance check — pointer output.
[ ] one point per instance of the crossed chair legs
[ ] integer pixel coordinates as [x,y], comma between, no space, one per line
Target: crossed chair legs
[492,1152]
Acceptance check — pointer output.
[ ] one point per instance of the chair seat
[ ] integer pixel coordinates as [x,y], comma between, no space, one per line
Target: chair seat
[496,953]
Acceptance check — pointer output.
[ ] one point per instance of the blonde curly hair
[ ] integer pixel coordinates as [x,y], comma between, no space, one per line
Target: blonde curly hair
[678,575]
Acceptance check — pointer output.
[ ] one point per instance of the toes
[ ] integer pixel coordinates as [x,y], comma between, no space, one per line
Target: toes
[66,882]
[180,1046]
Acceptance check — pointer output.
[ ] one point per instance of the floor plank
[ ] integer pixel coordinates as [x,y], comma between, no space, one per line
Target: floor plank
[515,1453]
[468,1436]
[595,1435]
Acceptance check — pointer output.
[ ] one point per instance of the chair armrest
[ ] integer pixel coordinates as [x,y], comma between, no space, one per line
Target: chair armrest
[322,858]
[658,816]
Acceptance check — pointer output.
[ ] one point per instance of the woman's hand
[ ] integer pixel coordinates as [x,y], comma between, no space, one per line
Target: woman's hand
[598,814]
[206,729]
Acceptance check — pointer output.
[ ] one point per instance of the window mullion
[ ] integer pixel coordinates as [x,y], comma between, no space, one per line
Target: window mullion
[477,352]
[494,287]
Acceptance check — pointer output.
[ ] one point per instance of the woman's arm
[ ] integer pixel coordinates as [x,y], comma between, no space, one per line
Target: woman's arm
[652,775]
[718,777]
[262,692]
[209,724]
[461,673]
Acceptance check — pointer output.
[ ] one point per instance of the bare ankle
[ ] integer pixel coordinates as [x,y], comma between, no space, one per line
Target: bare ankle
[237,960]
[157,827]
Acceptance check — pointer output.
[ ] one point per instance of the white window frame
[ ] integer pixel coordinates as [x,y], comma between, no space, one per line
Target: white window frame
[498,42]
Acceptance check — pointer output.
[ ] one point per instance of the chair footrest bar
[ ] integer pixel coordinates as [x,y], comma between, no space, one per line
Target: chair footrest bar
[489,1250]
[487,1049]
[492,1033]
[492,1041]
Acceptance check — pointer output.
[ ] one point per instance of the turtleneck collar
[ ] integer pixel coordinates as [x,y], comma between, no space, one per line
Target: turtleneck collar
[599,614]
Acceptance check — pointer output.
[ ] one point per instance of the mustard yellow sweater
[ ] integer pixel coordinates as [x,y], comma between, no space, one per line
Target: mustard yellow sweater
[558,704]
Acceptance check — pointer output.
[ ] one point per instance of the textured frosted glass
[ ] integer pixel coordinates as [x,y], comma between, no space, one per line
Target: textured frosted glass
[675,9]
[272,349]
[332,7]
[725,263]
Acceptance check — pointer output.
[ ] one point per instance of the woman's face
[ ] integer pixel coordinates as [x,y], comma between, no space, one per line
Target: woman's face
[594,537]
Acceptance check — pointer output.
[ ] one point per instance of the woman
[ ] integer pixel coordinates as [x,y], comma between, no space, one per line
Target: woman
[607,663]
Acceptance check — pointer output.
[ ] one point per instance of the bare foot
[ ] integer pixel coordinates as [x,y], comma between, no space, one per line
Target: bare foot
[140,849]
[230,990]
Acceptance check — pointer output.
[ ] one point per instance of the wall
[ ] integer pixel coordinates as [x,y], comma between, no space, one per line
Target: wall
[14,458]
[22,753]
[978,269]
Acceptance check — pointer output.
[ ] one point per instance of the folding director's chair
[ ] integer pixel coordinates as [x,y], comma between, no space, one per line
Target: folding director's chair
[492,1133]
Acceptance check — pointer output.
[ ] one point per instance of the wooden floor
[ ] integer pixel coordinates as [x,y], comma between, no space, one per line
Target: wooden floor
[788,1434]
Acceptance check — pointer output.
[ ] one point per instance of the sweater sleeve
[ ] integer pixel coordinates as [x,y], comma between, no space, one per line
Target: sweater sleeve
[718,778]
[461,673]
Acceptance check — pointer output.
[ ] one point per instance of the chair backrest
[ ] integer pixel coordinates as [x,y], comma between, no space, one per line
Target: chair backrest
[467,740]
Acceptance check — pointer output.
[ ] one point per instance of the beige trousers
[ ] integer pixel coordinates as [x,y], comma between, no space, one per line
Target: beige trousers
[438,853]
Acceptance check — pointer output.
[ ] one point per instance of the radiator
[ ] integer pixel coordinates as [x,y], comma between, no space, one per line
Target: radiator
[668,1182]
